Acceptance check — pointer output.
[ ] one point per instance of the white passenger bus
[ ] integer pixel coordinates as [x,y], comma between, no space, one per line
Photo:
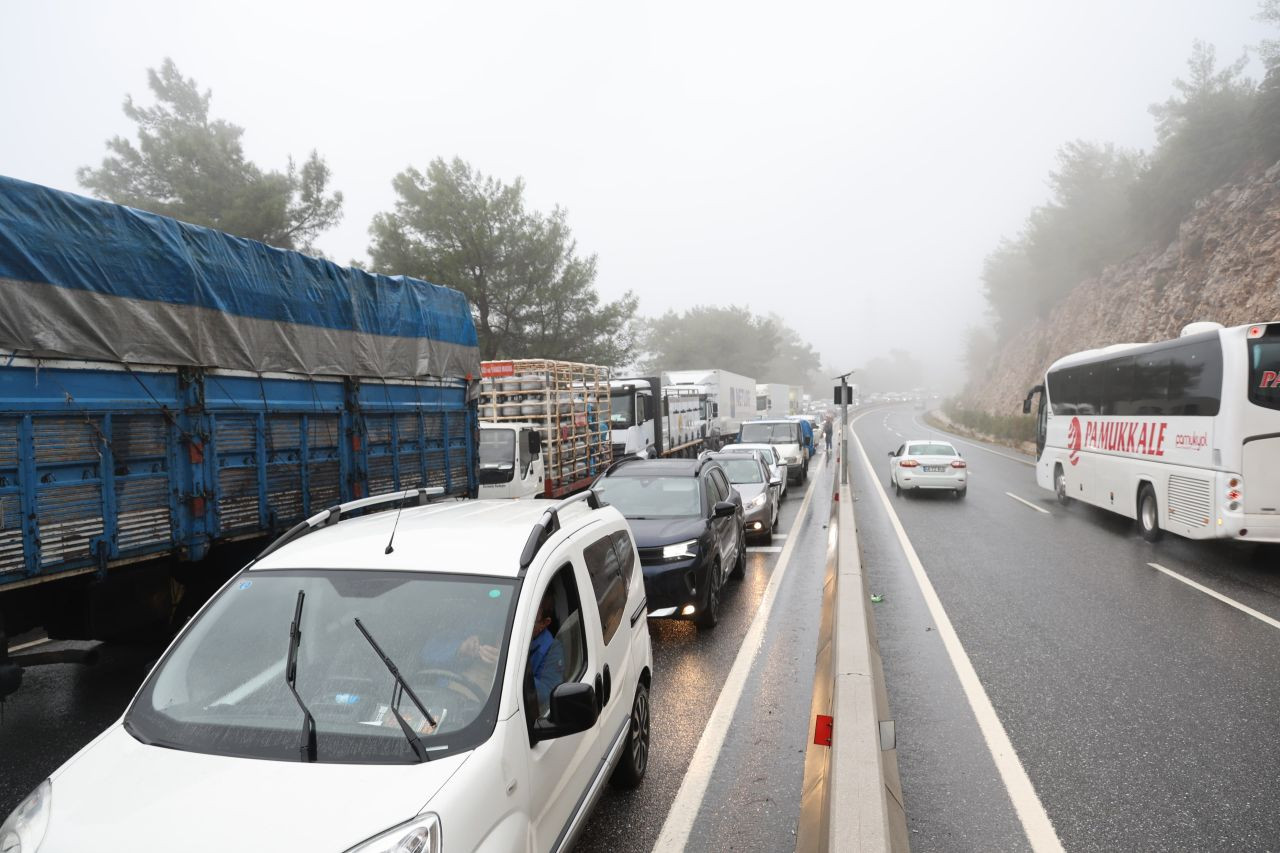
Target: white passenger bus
[1183,435]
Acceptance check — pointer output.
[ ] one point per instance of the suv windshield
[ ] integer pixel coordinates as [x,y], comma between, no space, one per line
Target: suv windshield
[767,433]
[1264,369]
[221,689]
[651,497]
[742,470]
[497,448]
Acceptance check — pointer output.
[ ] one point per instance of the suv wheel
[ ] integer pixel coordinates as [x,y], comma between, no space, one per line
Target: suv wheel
[740,564]
[635,757]
[710,615]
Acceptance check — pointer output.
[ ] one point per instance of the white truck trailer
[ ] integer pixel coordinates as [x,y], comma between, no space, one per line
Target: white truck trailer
[544,427]
[731,398]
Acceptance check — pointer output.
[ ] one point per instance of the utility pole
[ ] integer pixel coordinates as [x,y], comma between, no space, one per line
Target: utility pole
[844,426]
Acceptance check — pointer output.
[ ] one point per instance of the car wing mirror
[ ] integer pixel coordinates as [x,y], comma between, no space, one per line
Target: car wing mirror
[573,710]
[892,454]
[724,509]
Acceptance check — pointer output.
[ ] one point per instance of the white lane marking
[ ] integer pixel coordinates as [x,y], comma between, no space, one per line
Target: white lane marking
[952,437]
[1027,503]
[693,788]
[21,646]
[764,549]
[1243,608]
[779,536]
[1035,820]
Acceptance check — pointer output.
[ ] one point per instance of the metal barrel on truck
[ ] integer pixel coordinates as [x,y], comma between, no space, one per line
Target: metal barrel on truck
[565,404]
[168,389]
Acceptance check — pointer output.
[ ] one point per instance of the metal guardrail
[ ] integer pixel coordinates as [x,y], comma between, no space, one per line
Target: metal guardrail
[852,795]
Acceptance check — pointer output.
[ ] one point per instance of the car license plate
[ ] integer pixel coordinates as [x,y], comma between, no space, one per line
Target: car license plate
[935,469]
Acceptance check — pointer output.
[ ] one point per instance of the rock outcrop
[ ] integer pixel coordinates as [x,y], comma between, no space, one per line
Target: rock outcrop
[1223,266]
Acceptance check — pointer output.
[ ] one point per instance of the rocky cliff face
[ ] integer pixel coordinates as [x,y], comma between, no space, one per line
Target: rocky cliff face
[1224,266]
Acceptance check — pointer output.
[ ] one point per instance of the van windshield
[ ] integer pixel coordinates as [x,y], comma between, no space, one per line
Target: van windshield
[221,688]
[771,433]
[1264,369]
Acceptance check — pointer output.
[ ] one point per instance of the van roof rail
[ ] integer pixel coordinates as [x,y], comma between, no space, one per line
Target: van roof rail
[334,514]
[549,523]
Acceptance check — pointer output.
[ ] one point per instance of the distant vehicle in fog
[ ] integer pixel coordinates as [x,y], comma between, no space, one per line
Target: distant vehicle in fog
[1181,435]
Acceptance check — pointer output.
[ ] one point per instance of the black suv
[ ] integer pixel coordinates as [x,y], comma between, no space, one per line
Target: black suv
[687,522]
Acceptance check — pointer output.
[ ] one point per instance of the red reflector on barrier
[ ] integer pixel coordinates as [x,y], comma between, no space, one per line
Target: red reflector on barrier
[822,730]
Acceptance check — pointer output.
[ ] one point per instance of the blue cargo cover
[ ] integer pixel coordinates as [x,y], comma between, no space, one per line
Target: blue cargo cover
[81,278]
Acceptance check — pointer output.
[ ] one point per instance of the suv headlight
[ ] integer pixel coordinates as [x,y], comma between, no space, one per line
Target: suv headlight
[420,835]
[25,828]
[758,500]
[680,550]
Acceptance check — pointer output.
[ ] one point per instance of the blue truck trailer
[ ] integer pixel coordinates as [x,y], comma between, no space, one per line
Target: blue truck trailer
[168,390]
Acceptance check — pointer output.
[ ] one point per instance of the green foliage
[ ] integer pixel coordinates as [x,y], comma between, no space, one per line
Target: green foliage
[191,167]
[730,338]
[1006,428]
[1204,141]
[1108,202]
[532,294]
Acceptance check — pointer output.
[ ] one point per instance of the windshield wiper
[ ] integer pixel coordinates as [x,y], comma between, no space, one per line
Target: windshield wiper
[402,689]
[308,747]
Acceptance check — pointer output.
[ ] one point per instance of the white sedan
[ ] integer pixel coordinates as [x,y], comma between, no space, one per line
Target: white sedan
[928,464]
[768,454]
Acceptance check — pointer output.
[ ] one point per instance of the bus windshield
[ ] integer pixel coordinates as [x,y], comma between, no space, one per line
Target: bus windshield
[1264,369]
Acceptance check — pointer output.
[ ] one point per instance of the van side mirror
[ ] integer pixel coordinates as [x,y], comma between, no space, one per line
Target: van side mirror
[573,710]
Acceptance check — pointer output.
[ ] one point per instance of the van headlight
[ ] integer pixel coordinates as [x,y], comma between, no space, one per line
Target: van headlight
[420,835]
[25,828]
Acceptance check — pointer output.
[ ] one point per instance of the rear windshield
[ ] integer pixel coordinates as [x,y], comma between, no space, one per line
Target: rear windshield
[767,433]
[745,470]
[931,450]
[1264,369]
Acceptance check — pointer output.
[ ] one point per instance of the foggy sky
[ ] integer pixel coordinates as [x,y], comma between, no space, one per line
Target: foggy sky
[844,165]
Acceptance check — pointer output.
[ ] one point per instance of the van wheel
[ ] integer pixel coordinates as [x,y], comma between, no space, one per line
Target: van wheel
[635,757]
[1149,514]
[1060,485]
[710,615]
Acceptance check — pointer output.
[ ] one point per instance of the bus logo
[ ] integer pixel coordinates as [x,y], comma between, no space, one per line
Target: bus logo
[1073,441]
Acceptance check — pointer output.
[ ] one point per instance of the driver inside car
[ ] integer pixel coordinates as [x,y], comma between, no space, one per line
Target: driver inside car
[546,654]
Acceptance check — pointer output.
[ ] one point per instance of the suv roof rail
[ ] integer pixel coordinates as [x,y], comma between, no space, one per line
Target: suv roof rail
[549,523]
[626,457]
[334,514]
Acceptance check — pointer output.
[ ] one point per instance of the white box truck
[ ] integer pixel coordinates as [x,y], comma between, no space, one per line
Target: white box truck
[773,400]
[731,398]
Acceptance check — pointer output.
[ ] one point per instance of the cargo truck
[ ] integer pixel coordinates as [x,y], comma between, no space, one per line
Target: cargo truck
[544,427]
[167,391]
[730,398]
[773,400]
[645,422]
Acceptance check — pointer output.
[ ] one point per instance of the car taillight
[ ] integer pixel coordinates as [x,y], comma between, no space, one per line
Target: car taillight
[959,463]
[909,463]
[1256,331]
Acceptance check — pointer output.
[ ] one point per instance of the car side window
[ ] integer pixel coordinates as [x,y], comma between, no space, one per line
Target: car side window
[607,582]
[558,647]
[714,495]
[722,484]
[626,555]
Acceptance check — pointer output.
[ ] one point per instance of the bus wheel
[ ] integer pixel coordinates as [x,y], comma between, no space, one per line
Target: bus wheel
[1060,485]
[1149,514]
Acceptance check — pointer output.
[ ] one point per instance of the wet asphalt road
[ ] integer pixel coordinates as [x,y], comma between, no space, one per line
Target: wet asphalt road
[753,801]
[1146,713]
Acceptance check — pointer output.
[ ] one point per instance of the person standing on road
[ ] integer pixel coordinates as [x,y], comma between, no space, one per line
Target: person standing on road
[826,432]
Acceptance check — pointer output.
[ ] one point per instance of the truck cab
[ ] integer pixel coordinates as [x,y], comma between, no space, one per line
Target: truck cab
[632,424]
[511,464]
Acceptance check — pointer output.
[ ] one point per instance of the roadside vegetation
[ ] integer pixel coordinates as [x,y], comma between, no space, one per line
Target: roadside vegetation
[1004,429]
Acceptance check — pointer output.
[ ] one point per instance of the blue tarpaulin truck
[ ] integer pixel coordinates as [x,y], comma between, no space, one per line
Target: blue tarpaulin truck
[167,390]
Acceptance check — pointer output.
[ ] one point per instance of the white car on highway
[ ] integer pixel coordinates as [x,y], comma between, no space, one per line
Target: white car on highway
[462,676]
[928,464]
[767,454]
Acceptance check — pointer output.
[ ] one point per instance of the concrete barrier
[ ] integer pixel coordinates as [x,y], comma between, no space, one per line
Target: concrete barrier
[851,795]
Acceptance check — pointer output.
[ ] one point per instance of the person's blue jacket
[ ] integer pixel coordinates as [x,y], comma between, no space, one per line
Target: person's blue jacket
[546,662]
[806,433]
